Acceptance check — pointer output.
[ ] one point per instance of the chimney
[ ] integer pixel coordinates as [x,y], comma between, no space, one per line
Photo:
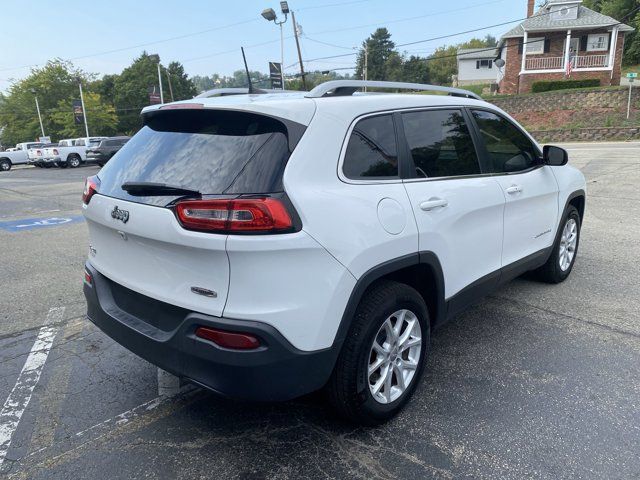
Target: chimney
[530,7]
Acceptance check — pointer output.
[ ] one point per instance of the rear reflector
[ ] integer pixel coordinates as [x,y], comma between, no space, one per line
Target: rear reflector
[222,338]
[91,186]
[263,214]
[88,279]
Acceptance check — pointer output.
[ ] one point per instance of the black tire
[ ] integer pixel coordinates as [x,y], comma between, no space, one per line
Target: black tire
[551,272]
[5,165]
[74,161]
[348,388]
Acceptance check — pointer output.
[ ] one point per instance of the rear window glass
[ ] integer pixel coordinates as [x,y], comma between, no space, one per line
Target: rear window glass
[213,152]
[372,152]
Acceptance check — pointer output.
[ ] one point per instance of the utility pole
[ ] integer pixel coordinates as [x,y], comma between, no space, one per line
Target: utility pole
[38,109]
[84,110]
[170,88]
[295,33]
[365,72]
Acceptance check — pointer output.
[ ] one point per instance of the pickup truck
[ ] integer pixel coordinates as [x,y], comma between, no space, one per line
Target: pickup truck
[69,152]
[17,156]
[35,155]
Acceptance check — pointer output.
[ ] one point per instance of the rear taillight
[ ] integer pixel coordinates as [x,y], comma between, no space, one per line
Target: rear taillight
[91,186]
[232,340]
[88,279]
[249,215]
[55,151]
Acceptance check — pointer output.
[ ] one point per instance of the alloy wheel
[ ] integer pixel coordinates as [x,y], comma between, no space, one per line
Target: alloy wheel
[394,356]
[568,244]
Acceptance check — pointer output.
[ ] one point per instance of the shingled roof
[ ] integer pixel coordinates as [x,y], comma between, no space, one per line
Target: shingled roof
[542,21]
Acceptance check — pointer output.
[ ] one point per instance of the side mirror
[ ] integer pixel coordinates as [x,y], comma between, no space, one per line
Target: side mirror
[554,156]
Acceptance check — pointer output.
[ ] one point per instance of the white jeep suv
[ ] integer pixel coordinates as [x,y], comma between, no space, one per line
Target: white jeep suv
[265,246]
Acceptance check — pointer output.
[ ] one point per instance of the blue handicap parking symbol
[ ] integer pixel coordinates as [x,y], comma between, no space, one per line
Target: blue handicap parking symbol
[31,223]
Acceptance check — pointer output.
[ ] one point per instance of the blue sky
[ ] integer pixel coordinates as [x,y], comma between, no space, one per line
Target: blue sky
[78,28]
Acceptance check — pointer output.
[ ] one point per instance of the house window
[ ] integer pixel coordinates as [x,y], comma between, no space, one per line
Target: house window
[535,45]
[597,41]
[484,64]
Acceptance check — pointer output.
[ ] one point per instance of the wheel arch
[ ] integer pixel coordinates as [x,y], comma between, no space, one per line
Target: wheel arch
[577,199]
[421,271]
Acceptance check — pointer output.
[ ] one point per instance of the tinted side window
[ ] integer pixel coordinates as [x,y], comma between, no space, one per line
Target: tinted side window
[509,150]
[372,151]
[440,143]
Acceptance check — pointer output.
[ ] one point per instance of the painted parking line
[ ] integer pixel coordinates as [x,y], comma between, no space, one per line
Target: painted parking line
[20,395]
[31,223]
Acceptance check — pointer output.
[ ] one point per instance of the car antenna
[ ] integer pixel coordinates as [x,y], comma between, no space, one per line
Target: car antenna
[246,69]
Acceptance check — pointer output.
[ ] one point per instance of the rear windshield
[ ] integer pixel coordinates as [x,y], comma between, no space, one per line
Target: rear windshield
[211,151]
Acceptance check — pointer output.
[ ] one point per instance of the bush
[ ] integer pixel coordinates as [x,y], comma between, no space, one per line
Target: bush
[537,87]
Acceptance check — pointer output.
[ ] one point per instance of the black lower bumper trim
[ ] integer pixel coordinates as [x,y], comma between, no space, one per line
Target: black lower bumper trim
[274,372]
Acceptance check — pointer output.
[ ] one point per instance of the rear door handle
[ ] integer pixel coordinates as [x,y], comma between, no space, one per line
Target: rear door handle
[433,203]
[513,189]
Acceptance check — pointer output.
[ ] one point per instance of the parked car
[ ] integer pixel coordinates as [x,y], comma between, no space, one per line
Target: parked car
[106,149]
[16,156]
[268,246]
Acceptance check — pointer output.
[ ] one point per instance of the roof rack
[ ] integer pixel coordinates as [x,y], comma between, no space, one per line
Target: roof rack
[342,88]
[225,92]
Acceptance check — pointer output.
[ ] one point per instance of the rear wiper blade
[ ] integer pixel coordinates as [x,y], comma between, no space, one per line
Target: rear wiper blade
[143,189]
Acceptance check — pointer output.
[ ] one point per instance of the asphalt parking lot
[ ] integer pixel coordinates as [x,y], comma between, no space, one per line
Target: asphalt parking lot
[537,381]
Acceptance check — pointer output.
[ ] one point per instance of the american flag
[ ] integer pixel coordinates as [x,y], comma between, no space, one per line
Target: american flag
[570,65]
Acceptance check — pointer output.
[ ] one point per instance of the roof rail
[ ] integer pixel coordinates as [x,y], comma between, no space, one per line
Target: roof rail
[225,92]
[341,88]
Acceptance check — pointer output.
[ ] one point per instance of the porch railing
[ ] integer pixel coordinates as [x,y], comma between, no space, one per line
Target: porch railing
[556,63]
[544,63]
[589,61]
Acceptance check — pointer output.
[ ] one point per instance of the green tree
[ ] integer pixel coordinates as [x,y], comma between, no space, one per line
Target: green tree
[53,83]
[105,87]
[379,48]
[101,119]
[182,86]
[416,70]
[131,89]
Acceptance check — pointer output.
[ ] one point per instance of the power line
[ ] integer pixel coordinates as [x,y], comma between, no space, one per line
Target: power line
[441,37]
[406,19]
[179,37]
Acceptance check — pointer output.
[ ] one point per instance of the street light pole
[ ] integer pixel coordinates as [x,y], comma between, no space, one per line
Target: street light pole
[160,82]
[84,110]
[38,109]
[269,14]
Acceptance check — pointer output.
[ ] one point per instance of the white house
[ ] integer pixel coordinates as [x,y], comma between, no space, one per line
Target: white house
[475,66]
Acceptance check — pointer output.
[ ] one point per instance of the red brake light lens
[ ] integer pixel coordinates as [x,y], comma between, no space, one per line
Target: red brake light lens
[55,151]
[263,214]
[91,186]
[233,340]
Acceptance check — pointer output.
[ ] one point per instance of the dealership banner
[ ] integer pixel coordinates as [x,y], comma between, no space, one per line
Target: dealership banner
[275,73]
[78,113]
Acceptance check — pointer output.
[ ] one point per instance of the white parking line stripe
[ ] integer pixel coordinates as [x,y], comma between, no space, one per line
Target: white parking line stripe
[20,395]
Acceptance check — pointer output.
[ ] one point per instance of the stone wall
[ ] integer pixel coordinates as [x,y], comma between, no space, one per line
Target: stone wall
[563,100]
[587,135]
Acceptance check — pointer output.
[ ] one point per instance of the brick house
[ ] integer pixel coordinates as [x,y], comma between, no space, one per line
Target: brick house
[561,36]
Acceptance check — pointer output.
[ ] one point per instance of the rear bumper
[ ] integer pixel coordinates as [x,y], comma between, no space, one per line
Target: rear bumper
[274,372]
